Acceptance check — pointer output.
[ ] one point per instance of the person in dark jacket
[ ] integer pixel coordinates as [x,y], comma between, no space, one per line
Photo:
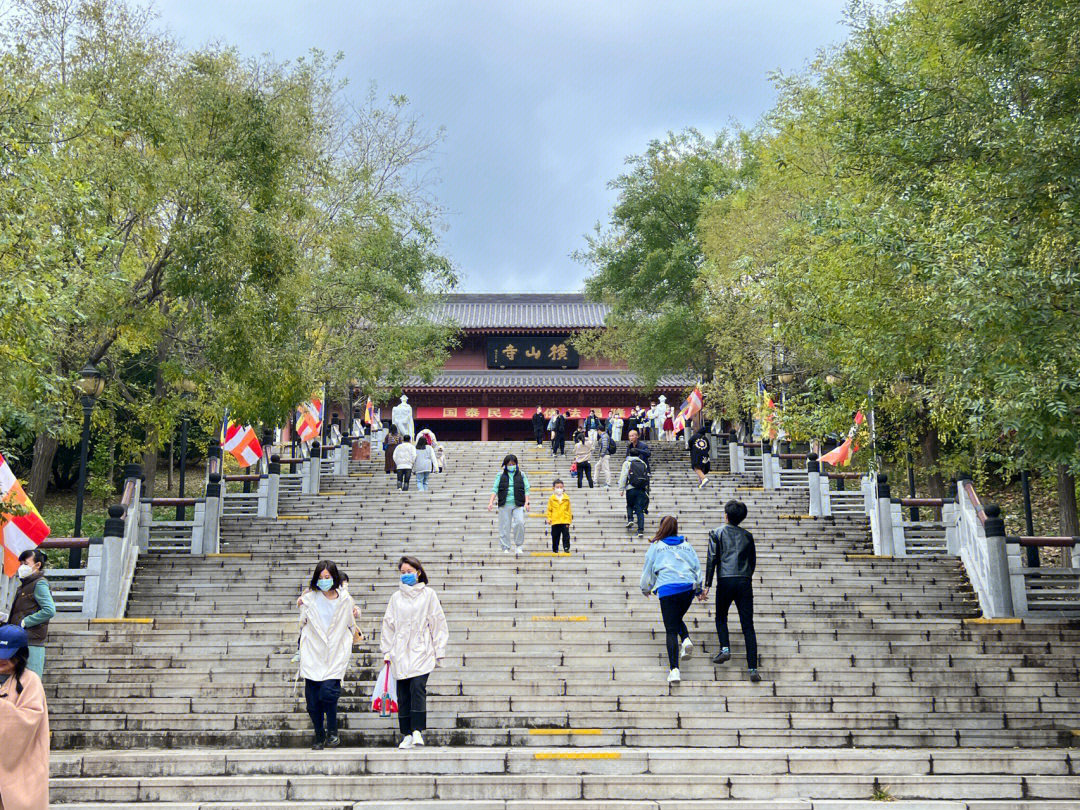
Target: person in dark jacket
[699,456]
[641,450]
[732,557]
[539,422]
[593,426]
[389,444]
[558,440]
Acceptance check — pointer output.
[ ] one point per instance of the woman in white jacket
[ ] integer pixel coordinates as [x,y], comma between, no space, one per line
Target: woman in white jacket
[327,621]
[414,638]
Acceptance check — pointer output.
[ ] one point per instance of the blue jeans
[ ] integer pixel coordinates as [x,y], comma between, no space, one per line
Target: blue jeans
[637,501]
[421,481]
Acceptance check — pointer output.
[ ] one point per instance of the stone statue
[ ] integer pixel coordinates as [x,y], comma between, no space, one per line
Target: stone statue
[402,416]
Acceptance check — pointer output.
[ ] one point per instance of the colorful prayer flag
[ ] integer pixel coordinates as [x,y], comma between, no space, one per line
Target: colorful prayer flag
[689,408]
[841,456]
[243,444]
[309,420]
[369,412]
[22,528]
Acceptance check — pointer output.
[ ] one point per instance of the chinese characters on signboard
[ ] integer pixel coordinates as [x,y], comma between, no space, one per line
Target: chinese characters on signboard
[531,352]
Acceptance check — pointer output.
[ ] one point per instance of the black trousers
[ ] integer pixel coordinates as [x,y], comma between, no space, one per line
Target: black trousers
[403,477]
[673,608]
[637,501]
[584,468]
[538,434]
[739,590]
[412,704]
[558,444]
[322,699]
[560,530]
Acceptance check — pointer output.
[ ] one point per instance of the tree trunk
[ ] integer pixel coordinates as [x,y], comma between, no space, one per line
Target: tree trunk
[931,450]
[45,446]
[1066,492]
[150,456]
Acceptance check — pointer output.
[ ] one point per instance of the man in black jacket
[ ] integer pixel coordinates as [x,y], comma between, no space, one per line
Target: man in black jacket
[539,422]
[558,441]
[733,557]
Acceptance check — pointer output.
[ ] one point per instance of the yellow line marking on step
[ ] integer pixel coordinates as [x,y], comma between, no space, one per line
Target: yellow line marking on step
[560,618]
[581,755]
[993,621]
[121,621]
[361,475]
[749,489]
[554,731]
[869,556]
[536,514]
[333,492]
[292,517]
[239,554]
[549,554]
[797,517]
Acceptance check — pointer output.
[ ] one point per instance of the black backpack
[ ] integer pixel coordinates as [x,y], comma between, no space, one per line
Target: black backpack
[612,447]
[638,474]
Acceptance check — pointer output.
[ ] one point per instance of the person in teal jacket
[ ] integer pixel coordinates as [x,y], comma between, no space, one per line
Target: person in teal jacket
[33,606]
[672,571]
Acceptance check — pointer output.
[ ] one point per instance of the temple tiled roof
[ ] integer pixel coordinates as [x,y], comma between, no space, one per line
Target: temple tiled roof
[509,311]
[495,380]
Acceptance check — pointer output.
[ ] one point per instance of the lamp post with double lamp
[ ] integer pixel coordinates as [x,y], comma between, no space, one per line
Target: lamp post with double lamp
[187,392]
[90,385]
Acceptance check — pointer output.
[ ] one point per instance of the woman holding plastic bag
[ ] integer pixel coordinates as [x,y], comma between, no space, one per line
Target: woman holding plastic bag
[327,623]
[414,638]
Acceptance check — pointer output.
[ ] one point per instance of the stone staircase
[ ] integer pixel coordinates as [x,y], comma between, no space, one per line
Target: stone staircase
[879,679]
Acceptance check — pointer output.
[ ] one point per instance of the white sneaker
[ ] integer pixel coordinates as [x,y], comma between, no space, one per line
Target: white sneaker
[673,677]
[408,742]
[417,740]
[506,551]
[704,481]
[687,648]
[519,550]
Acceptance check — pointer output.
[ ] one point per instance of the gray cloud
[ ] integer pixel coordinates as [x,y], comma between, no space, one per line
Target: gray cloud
[541,101]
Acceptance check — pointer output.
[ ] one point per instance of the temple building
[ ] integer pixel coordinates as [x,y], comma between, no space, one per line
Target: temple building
[515,353]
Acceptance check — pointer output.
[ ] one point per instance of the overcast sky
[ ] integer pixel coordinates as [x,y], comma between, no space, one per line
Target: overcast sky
[541,101]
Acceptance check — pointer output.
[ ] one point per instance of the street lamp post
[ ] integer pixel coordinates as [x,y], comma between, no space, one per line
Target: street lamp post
[90,385]
[187,390]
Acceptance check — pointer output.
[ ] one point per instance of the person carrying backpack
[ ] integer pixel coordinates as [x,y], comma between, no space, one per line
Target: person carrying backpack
[608,446]
[634,478]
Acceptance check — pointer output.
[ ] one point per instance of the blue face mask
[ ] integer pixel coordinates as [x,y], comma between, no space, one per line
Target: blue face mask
[511,468]
[325,584]
[408,579]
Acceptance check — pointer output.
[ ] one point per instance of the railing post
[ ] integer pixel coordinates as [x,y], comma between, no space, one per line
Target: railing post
[211,529]
[341,466]
[1017,560]
[198,525]
[813,481]
[314,470]
[112,558]
[735,457]
[91,580]
[1001,601]
[271,486]
[883,538]
[766,466]
[146,518]
[898,540]
[213,458]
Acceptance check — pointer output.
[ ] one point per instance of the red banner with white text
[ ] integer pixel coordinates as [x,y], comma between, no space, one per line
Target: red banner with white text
[473,412]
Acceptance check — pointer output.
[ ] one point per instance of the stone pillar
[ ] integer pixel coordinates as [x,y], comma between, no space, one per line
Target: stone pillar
[896,516]
[211,534]
[270,488]
[484,429]
[767,466]
[112,559]
[314,471]
[1001,593]
[735,457]
[813,480]
[883,537]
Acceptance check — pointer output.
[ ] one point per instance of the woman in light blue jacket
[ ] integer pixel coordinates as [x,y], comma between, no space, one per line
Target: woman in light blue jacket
[673,572]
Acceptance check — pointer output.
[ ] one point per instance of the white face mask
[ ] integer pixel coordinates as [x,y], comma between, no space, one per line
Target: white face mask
[25,571]
[559,492]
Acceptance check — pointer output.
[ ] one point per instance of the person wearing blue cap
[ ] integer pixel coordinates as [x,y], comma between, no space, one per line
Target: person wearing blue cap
[24,727]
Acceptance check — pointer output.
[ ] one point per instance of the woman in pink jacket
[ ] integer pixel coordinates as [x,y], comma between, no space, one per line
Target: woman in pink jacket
[414,637]
[24,727]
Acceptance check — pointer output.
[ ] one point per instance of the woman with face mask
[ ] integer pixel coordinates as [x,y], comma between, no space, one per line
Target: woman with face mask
[327,622]
[511,491]
[33,607]
[413,639]
[24,727]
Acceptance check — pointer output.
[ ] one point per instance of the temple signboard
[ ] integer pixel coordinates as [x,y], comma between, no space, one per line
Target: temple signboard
[527,351]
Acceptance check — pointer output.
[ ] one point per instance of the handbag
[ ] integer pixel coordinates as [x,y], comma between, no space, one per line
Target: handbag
[384,698]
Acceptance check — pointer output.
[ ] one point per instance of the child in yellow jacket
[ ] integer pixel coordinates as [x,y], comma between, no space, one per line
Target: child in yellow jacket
[559,515]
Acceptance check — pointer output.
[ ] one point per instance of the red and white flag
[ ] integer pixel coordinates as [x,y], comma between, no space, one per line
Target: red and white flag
[689,409]
[309,420]
[243,444]
[21,526]
[841,456]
